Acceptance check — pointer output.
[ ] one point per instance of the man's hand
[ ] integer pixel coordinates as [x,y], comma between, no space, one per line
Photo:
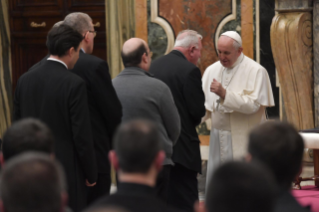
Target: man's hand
[218,89]
[89,184]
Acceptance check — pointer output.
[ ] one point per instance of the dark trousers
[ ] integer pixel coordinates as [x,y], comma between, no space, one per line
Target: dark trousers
[162,183]
[102,187]
[182,190]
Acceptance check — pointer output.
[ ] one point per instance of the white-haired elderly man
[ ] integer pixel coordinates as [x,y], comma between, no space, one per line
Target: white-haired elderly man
[179,71]
[237,91]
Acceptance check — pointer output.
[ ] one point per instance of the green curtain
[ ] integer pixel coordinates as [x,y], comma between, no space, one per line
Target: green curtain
[5,69]
[120,26]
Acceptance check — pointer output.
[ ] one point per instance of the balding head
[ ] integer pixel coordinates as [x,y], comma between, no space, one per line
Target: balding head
[135,53]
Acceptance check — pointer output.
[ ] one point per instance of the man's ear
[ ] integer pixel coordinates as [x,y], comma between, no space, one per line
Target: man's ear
[159,160]
[86,36]
[1,159]
[114,160]
[144,58]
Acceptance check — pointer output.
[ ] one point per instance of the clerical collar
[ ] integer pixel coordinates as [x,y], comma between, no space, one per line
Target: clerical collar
[239,59]
[59,61]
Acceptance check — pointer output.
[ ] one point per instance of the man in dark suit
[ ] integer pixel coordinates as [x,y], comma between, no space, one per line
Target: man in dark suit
[58,97]
[137,156]
[179,71]
[105,107]
[280,147]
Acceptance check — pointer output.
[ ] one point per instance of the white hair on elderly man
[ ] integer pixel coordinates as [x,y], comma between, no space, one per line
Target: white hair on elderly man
[187,38]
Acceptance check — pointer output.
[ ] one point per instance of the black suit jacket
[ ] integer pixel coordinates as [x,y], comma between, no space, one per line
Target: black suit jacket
[58,97]
[184,80]
[105,107]
[134,198]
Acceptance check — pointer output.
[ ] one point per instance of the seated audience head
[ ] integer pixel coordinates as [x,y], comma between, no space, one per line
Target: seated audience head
[82,23]
[27,135]
[240,187]
[136,53]
[189,42]
[137,150]
[63,43]
[106,209]
[280,147]
[32,182]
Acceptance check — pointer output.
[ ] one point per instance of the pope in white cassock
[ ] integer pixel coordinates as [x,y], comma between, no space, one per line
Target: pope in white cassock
[237,91]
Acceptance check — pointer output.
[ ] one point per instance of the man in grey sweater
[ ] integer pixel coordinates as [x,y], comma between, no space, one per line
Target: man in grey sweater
[145,97]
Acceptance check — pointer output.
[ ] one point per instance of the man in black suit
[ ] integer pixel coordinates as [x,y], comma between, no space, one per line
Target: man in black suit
[105,107]
[280,147]
[58,97]
[179,71]
[137,156]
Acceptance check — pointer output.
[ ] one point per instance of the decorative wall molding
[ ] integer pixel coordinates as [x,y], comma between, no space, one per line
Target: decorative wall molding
[292,46]
[227,19]
[163,23]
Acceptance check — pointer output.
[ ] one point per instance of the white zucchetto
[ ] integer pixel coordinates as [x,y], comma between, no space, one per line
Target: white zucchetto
[233,35]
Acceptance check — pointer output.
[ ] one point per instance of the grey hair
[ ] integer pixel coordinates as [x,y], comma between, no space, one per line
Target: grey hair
[187,37]
[236,45]
[81,22]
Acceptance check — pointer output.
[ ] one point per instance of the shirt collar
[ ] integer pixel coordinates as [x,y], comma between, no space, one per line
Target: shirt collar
[59,61]
[82,50]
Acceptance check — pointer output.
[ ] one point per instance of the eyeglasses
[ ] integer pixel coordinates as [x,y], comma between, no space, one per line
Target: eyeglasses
[94,32]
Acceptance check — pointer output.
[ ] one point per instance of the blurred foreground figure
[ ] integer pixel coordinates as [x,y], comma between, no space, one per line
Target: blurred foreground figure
[240,187]
[280,147]
[137,156]
[32,182]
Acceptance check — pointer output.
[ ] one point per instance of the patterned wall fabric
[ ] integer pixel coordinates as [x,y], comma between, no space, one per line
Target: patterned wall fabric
[5,69]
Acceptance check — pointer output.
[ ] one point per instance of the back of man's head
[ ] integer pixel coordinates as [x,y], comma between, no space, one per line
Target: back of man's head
[81,22]
[62,38]
[133,51]
[280,147]
[240,187]
[136,145]
[32,182]
[27,135]
[187,38]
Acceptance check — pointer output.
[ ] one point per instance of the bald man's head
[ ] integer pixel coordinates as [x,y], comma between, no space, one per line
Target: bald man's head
[133,51]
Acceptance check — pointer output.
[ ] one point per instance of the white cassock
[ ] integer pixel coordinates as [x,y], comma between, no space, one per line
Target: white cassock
[248,93]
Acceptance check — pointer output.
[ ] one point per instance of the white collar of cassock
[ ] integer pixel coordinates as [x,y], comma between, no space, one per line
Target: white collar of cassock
[59,61]
[239,59]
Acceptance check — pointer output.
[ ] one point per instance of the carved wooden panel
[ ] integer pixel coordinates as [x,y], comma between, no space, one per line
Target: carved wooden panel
[27,52]
[86,5]
[292,46]
[202,16]
[35,5]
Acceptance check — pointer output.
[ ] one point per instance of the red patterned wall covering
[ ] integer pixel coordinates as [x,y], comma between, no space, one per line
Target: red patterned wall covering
[200,15]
